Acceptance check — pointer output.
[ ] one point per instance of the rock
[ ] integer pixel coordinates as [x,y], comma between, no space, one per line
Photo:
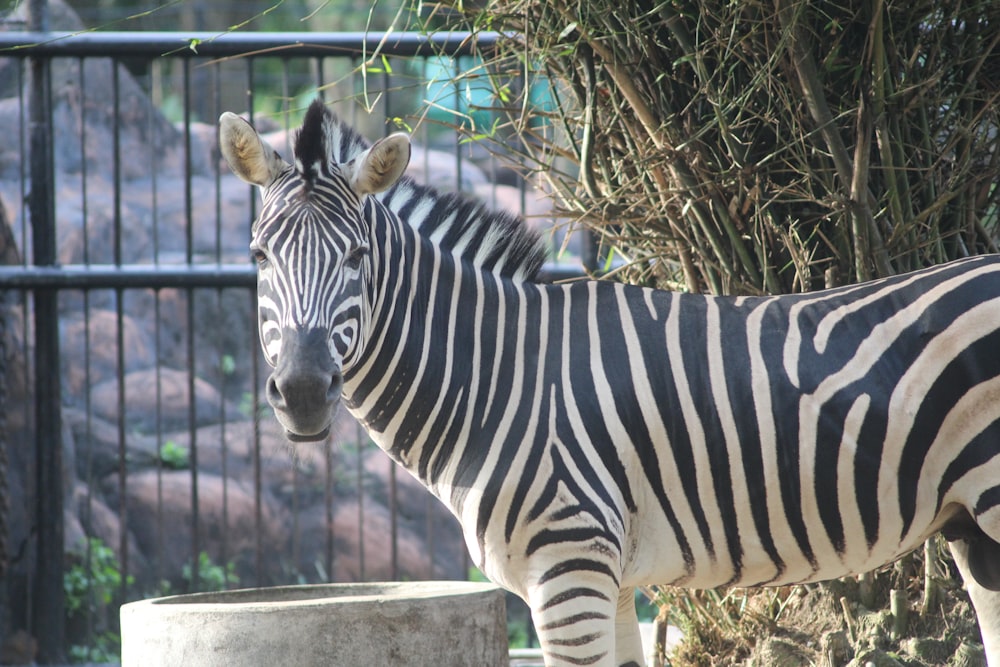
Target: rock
[440,169]
[96,445]
[146,138]
[969,654]
[419,509]
[778,652]
[362,545]
[96,339]
[926,649]
[159,515]
[94,519]
[836,647]
[98,521]
[9,253]
[17,562]
[18,648]
[874,658]
[153,393]
[204,141]
[229,450]
[872,629]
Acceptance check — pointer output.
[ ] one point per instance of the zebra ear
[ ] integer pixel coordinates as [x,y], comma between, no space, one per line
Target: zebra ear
[250,157]
[380,166]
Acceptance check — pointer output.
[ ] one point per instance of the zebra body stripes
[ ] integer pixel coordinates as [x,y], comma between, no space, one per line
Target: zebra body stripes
[594,436]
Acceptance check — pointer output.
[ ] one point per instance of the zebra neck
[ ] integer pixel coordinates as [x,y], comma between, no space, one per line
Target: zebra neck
[422,383]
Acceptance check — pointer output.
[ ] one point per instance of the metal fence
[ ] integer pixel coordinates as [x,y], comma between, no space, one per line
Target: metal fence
[140,455]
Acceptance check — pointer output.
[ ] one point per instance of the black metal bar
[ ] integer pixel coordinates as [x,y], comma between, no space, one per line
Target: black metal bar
[128,276]
[393,481]
[222,45]
[328,507]
[258,483]
[49,598]
[116,161]
[188,190]
[361,438]
[123,508]
[191,375]
[193,448]
[160,276]
[224,453]
[160,537]
[116,170]
[218,171]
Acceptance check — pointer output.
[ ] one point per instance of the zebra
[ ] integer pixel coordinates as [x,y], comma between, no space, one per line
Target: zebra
[593,436]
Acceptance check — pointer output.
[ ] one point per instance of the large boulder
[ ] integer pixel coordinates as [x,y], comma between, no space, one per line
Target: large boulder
[160,515]
[95,338]
[157,397]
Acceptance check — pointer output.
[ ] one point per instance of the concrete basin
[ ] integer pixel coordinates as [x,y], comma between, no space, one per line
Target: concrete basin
[418,624]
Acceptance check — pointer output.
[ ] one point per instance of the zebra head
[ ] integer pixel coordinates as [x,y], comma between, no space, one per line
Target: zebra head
[312,243]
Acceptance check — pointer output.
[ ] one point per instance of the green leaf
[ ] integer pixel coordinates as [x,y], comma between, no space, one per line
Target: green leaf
[401,123]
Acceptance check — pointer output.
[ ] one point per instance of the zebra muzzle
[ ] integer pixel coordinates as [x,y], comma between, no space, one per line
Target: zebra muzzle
[305,387]
[295,437]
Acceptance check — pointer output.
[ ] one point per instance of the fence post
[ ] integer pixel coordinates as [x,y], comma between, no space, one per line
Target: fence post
[49,617]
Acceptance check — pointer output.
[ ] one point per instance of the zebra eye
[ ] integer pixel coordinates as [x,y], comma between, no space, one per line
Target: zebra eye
[258,255]
[353,259]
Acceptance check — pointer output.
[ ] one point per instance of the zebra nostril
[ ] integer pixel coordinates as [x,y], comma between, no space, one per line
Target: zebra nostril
[336,385]
[274,395]
[287,391]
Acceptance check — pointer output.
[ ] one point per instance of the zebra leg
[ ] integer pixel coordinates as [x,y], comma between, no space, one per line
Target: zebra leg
[575,617]
[628,643]
[984,601]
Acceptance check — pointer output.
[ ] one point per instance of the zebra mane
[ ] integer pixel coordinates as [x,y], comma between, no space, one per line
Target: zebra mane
[497,241]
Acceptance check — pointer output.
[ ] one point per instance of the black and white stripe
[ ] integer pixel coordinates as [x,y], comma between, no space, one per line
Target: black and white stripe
[595,436]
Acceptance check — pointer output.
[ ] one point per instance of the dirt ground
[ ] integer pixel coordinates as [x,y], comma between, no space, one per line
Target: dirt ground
[828,624]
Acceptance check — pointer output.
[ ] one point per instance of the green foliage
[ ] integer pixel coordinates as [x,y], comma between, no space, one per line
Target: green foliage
[173,456]
[90,587]
[645,608]
[518,635]
[211,577]
[172,107]
[107,648]
[227,364]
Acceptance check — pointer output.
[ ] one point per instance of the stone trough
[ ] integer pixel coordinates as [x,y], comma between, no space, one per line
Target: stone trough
[441,623]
